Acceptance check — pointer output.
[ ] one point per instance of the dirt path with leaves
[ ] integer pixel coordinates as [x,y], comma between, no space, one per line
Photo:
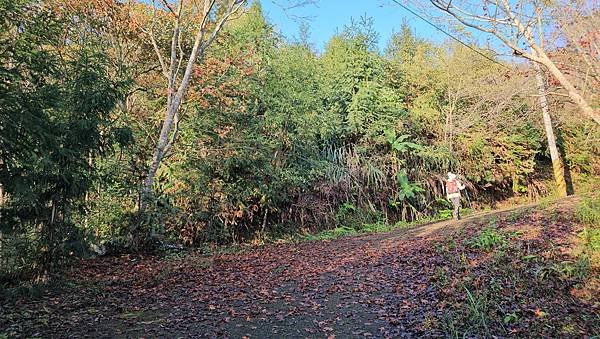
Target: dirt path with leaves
[377,285]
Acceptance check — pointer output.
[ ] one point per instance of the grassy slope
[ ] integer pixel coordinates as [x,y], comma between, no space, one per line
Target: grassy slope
[532,271]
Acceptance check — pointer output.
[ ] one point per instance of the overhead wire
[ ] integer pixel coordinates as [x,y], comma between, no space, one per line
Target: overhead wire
[446,33]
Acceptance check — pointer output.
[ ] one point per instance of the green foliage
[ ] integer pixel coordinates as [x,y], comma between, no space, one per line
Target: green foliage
[580,151]
[337,232]
[511,318]
[406,189]
[488,239]
[517,214]
[376,227]
[445,214]
[478,309]
[591,238]
[292,138]
[588,211]
[577,270]
[400,143]
[54,116]
[345,210]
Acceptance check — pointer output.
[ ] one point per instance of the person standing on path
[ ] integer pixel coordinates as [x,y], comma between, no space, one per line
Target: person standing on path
[453,188]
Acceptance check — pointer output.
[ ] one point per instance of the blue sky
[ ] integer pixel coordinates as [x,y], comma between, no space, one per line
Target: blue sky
[327,17]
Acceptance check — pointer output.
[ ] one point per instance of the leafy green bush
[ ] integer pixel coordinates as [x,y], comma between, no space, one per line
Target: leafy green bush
[346,213]
[445,214]
[375,227]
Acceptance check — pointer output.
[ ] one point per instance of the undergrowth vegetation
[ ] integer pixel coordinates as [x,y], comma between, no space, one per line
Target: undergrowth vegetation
[275,137]
[528,275]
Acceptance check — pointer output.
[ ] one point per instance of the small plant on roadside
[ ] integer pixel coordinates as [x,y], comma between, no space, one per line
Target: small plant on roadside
[375,227]
[545,202]
[478,307]
[511,318]
[442,277]
[445,214]
[591,238]
[451,326]
[451,244]
[577,270]
[343,230]
[332,234]
[493,221]
[488,239]
[517,214]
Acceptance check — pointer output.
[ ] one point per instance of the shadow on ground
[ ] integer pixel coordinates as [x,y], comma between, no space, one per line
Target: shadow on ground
[377,285]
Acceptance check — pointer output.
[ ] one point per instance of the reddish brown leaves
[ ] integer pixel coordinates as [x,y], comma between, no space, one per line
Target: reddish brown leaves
[381,285]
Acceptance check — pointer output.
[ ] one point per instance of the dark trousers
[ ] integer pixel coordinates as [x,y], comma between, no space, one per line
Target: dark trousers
[456,211]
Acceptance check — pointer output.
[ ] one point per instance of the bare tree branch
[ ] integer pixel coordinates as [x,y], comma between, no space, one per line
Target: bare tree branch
[513,26]
[155,45]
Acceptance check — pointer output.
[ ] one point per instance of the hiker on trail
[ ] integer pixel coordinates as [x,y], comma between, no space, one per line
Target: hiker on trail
[453,188]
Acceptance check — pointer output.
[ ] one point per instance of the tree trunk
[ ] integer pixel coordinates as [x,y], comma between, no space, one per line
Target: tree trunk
[557,166]
[571,90]
[159,151]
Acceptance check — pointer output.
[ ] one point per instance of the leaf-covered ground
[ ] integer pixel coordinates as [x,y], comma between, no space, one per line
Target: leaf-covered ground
[515,273]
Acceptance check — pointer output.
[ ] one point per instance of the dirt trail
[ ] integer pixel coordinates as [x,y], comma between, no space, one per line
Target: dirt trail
[376,285]
[430,229]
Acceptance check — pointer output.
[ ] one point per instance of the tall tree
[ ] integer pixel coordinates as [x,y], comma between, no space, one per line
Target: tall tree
[209,17]
[55,102]
[519,26]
